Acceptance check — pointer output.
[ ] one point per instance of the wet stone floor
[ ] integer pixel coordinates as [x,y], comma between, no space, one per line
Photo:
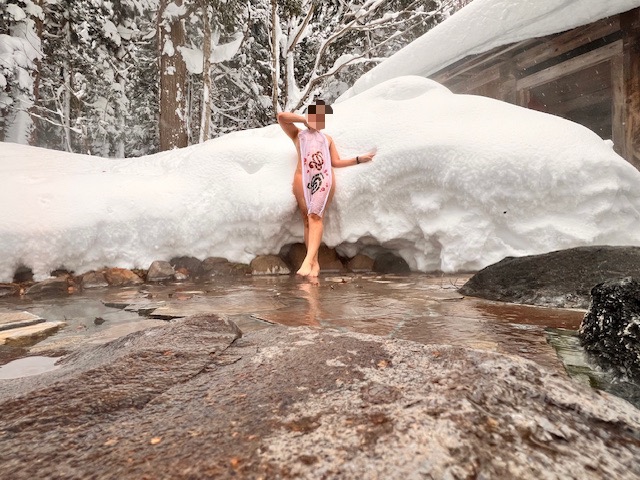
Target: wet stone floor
[422,308]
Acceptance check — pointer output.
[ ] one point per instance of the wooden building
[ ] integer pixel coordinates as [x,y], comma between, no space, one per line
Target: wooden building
[590,75]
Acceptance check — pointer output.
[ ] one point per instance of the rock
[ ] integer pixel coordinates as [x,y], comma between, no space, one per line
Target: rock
[269,265]
[10,319]
[390,263]
[610,330]
[191,265]
[121,277]
[22,275]
[360,263]
[51,287]
[29,335]
[93,280]
[329,260]
[217,266]
[61,272]
[295,256]
[9,289]
[210,263]
[160,271]
[192,400]
[562,278]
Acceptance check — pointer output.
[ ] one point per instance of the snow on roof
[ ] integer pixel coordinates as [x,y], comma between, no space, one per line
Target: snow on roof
[458,182]
[483,25]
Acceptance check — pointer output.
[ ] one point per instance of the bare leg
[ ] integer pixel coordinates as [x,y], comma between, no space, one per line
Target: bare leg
[310,266]
[305,221]
[302,206]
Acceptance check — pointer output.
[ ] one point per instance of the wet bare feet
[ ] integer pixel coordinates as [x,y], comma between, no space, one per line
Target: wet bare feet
[315,271]
[308,269]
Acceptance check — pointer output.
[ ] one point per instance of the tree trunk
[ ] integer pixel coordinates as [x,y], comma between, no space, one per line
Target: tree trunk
[173,74]
[39,27]
[275,56]
[205,121]
[66,93]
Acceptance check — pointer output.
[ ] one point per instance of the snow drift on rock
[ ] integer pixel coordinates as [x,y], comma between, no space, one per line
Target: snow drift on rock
[458,182]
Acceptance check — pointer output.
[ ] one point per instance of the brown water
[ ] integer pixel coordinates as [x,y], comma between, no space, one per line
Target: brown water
[418,307]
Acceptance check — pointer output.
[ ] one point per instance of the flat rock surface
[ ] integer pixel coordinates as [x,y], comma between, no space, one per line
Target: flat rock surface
[194,400]
[557,279]
[23,335]
[10,319]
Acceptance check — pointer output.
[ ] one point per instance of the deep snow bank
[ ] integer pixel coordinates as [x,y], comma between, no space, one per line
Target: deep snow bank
[458,182]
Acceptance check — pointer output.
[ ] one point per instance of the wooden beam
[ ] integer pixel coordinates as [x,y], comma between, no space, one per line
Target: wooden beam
[573,65]
[473,63]
[630,25]
[618,109]
[562,43]
[476,81]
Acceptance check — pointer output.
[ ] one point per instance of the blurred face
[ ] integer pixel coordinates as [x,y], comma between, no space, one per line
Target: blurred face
[316,117]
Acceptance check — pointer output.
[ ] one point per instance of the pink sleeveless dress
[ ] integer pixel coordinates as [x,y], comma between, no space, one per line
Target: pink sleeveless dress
[316,170]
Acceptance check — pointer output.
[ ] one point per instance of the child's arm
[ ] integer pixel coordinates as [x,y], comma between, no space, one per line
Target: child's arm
[287,120]
[338,162]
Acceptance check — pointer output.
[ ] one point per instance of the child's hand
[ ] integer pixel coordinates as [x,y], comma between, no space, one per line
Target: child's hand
[367,157]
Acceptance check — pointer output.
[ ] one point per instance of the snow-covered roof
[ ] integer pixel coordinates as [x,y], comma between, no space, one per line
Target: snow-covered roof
[483,25]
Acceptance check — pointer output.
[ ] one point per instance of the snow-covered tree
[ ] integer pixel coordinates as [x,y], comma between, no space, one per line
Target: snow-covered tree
[20,52]
[316,41]
[131,77]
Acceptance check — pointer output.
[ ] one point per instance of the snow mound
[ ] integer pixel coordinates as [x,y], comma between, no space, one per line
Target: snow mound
[458,182]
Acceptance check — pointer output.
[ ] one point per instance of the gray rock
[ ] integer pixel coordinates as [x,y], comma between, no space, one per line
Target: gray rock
[360,263]
[295,255]
[390,263]
[269,265]
[192,400]
[160,271]
[190,266]
[23,274]
[610,331]
[211,263]
[557,279]
[329,260]
[9,289]
[217,266]
[56,286]
[94,280]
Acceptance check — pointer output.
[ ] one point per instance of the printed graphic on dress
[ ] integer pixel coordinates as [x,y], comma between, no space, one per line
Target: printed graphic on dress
[317,161]
[315,183]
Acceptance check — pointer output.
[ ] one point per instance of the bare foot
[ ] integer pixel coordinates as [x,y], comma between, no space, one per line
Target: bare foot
[315,271]
[305,269]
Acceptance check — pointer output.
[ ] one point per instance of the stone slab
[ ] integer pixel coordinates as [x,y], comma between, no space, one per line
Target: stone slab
[194,400]
[213,305]
[12,319]
[26,335]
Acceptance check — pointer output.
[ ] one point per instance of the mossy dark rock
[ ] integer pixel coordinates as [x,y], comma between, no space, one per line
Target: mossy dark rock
[610,331]
[563,278]
[191,266]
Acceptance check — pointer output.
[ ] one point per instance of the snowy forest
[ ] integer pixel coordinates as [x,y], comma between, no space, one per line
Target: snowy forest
[125,78]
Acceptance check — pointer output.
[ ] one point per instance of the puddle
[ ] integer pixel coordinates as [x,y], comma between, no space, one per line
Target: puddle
[580,368]
[27,367]
[417,307]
